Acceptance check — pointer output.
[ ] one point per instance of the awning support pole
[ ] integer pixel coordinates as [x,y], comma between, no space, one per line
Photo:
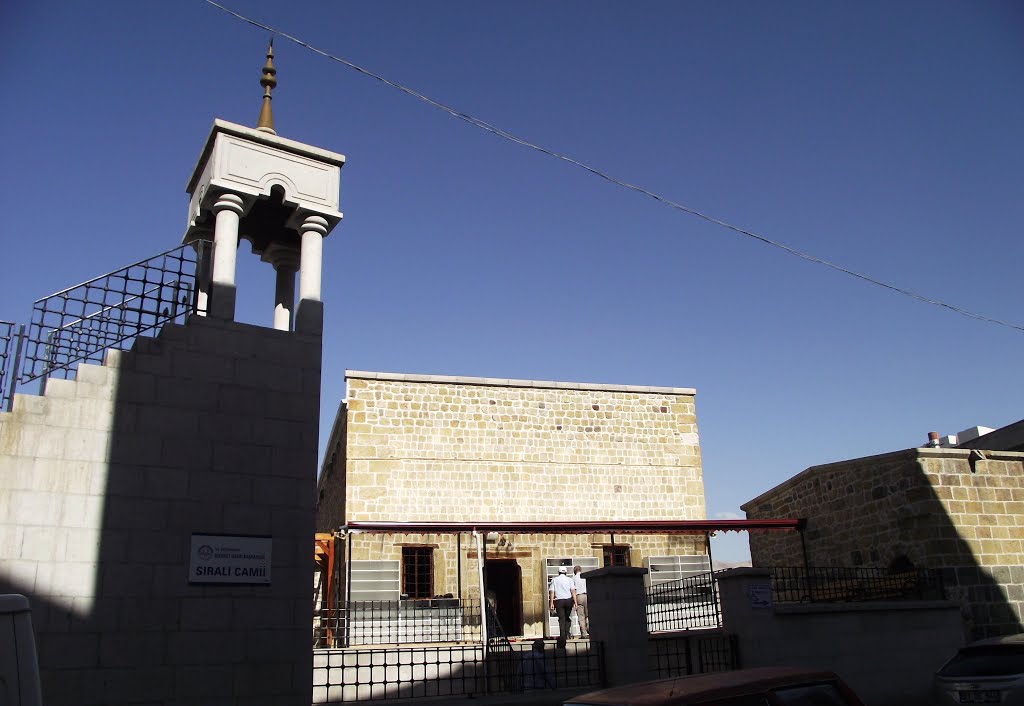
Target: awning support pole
[803,545]
[348,587]
[801,525]
[483,604]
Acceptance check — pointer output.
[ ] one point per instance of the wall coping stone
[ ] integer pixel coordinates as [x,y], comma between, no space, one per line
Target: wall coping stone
[613,571]
[509,382]
[911,454]
[862,606]
[740,571]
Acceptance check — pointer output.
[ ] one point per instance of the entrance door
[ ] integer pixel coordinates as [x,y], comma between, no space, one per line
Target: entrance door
[504,581]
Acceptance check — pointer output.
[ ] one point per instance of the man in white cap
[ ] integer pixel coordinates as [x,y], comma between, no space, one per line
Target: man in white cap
[562,593]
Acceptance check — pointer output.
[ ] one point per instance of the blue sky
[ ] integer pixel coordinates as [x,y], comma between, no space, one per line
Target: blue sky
[882,136]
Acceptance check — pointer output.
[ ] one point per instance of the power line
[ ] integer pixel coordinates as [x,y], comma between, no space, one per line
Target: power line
[484,125]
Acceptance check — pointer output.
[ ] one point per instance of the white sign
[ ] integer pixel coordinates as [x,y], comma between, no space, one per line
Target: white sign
[218,558]
[760,595]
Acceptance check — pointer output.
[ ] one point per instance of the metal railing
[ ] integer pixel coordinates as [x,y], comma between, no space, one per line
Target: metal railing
[684,604]
[380,674]
[8,351]
[674,656]
[504,664]
[359,673]
[830,584]
[415,621]
[80,323]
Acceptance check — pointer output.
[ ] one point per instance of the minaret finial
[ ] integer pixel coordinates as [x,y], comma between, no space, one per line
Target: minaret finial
[266,121]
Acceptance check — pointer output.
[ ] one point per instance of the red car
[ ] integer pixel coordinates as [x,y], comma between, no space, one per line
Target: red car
[765,686]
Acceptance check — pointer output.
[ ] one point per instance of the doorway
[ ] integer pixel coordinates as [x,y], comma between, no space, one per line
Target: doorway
[504,582]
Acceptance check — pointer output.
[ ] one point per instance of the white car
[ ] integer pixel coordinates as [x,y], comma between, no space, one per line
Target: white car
[984,672]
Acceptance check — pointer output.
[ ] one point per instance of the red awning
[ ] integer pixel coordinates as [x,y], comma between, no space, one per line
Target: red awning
[589,527]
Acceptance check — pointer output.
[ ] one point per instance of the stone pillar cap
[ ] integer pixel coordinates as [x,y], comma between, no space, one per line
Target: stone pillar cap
[614,571]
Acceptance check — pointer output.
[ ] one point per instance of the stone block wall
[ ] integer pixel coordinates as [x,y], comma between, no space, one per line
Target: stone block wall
[447,449]
[528,551]
[933,508]
[886,651]
[432,448]
[209,428]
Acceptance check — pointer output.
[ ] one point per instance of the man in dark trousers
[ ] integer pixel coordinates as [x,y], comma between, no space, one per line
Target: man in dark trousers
[563,600]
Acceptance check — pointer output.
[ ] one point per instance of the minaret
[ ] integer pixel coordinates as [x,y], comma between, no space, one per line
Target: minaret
[280,195]
[265,123]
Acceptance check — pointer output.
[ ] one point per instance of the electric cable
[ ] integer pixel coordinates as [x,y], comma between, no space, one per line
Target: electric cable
[484,125]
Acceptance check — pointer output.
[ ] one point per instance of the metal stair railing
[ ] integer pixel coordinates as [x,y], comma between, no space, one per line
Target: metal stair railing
[10,346]
[506,673]
[80,323]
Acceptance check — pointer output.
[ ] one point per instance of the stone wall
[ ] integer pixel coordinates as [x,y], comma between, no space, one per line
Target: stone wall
[445,449]
[933,508]
[209,428]
[528,551]
[886,651]
[431,448]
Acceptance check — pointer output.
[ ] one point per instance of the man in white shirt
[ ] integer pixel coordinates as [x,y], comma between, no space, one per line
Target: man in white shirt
[562,593]
[581,600]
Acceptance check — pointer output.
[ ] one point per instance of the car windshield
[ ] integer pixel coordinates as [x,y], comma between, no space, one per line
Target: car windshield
[986,661]
[811,695]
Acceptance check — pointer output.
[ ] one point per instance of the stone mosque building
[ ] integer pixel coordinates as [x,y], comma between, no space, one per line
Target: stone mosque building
[532,462]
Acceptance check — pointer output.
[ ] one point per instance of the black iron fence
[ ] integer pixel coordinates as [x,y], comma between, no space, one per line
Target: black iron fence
[505,665]
[361,673]
[347,675]
[679,655]
[8,351]
[409,621]
[684,604]
[80,323]
[820,584]
[378,674]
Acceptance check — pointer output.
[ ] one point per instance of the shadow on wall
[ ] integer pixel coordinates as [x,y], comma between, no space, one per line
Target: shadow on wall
[919,508]
[209,428]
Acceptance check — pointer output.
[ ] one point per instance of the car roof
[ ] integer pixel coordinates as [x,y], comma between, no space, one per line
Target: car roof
[680,690]
[1017,639]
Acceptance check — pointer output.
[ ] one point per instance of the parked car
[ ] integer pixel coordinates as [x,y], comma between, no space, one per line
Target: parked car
[984,672]
[764,686]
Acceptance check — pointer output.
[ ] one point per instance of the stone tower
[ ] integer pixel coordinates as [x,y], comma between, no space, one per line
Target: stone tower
[157,510]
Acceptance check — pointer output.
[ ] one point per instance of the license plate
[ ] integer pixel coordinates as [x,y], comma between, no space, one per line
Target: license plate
[980,697]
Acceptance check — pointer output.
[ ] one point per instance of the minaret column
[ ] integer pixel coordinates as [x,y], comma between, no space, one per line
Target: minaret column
[228,209]
[313,230]
[310,313]
[204,268]
[285,261]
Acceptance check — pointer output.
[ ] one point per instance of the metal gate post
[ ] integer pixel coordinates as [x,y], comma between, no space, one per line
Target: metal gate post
[16,368]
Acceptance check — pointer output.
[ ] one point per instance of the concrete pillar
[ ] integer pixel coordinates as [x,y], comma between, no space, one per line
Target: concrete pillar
[228,209]
[204,270]
[748,613]
[285,262]
[617,603]
[310,315]
[284,298]
[313,230]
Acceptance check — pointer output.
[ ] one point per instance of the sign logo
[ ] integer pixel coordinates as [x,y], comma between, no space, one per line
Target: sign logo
[228,558]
